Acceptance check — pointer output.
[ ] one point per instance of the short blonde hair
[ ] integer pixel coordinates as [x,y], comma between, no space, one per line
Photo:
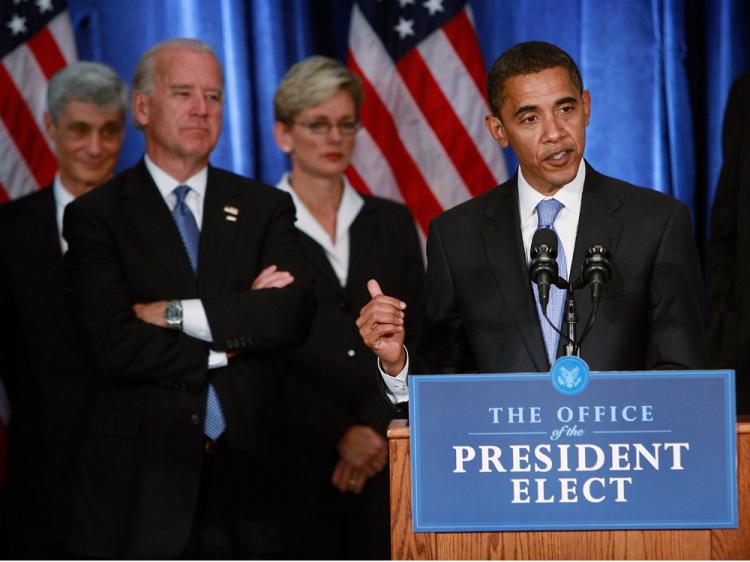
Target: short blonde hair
[310,82]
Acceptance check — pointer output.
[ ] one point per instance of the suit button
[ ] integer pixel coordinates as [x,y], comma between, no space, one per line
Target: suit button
[351,353]
[195,419]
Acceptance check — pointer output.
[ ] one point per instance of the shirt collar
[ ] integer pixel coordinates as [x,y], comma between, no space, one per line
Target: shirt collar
[569,195]
[166,183]
[351,203]
[61,193]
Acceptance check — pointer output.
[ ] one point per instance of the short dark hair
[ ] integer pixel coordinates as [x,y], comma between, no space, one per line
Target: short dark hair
[527,58]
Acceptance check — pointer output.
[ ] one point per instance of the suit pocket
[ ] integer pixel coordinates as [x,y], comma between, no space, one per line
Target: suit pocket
[114,424]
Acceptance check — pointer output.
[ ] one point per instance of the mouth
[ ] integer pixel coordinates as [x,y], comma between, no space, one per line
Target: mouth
[559,158]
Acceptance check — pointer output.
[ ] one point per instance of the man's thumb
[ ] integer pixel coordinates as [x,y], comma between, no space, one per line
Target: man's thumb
[374,288]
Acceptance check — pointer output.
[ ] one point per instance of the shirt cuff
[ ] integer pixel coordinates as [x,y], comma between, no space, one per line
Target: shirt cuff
[195,321]
[396,387]
[217,359]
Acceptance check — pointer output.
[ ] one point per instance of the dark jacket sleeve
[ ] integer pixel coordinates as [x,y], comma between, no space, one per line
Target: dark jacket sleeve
[269,319]
[120,345]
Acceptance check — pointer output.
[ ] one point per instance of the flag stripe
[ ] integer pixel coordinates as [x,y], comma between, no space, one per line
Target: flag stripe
[356,180]
[379,122]
[27,75]
[47,53]
[372,167]
[450,131]
[414,131]
[461,34]
[468,102]
[16,176]
[26,134]
[62,31]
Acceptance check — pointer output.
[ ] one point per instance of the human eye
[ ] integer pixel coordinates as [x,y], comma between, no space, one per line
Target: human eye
[78,130]
[110,131]
[320,127]
[348,127]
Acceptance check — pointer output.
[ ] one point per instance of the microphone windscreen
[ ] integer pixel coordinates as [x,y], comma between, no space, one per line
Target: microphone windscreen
[544,236]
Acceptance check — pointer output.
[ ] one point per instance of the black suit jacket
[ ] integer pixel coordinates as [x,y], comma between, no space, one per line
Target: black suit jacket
[43,371]
[480,310]
[728,271]
[141,459]
[336,375]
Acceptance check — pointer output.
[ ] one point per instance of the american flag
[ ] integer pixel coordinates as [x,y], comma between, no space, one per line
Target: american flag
[423,140]
[36,40]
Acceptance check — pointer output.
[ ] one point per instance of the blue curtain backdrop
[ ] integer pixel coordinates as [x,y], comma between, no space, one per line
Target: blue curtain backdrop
[659,71]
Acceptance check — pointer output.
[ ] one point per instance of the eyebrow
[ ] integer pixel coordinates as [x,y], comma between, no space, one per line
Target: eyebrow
[529,108]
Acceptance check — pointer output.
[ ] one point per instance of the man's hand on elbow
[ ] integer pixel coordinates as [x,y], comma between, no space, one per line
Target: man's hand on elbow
[272,278]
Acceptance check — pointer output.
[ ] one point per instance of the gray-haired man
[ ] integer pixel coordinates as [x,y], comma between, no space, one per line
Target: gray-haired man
[42,368]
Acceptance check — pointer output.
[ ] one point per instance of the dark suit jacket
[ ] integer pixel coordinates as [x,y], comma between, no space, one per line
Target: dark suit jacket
[728,271]
[141,460]
[480,311]
[43,370]
[336,374]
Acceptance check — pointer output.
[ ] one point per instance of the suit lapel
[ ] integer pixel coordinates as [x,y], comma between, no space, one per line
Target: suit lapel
[44,245]
[361,233]
[597,224]
[503,245]
[316,255]
[146,208]
[222,216]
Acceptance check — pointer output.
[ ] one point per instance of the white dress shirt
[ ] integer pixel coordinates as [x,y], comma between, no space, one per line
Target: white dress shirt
[566,226]
[62,197]
[337,252]
[194,319]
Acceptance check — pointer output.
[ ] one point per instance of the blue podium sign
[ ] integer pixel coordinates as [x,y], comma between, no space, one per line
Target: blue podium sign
[573,450]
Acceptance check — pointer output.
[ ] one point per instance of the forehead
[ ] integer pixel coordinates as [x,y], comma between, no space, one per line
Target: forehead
[340,103]
[187,67]
[538,89]
[88,112]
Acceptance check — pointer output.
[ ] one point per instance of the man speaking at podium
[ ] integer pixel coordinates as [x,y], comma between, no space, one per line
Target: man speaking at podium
[481,311]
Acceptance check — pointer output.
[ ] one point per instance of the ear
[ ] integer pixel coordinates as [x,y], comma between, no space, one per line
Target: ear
[586,100]
[283,138]
[140,107]
[495,127]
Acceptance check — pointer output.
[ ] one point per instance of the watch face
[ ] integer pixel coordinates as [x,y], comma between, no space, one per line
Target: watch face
[173,314]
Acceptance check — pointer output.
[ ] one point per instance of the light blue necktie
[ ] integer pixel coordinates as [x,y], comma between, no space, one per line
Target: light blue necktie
[214,424]
[547,211]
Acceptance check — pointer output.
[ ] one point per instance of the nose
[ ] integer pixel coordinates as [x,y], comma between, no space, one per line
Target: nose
[199,106]
[553,129]
[335,134]
[94,144]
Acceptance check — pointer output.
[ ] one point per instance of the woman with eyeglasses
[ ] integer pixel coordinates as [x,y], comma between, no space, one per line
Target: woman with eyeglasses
[340,415]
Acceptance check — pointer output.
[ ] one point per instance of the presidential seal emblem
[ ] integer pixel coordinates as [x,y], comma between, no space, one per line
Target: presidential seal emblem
[570,375]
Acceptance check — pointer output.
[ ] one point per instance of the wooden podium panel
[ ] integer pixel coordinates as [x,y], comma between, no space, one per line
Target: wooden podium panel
[709,544]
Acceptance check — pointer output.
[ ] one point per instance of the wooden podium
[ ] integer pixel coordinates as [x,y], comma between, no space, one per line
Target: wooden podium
[709,544]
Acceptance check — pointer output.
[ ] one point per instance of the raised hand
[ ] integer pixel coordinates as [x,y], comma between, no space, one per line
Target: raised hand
[381,326]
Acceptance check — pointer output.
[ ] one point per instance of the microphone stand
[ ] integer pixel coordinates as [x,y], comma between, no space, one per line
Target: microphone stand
[571,319]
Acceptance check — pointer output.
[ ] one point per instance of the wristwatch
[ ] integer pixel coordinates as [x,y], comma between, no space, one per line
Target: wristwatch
[173,315]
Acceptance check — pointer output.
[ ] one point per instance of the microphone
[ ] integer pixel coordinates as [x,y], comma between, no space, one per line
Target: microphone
[597,270]
[543,266]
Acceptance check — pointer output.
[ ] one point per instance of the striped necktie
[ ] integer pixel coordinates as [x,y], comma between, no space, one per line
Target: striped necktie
[214,424]
[547,211]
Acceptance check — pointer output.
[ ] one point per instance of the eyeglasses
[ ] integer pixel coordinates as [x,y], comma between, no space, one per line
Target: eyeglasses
[346,128]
